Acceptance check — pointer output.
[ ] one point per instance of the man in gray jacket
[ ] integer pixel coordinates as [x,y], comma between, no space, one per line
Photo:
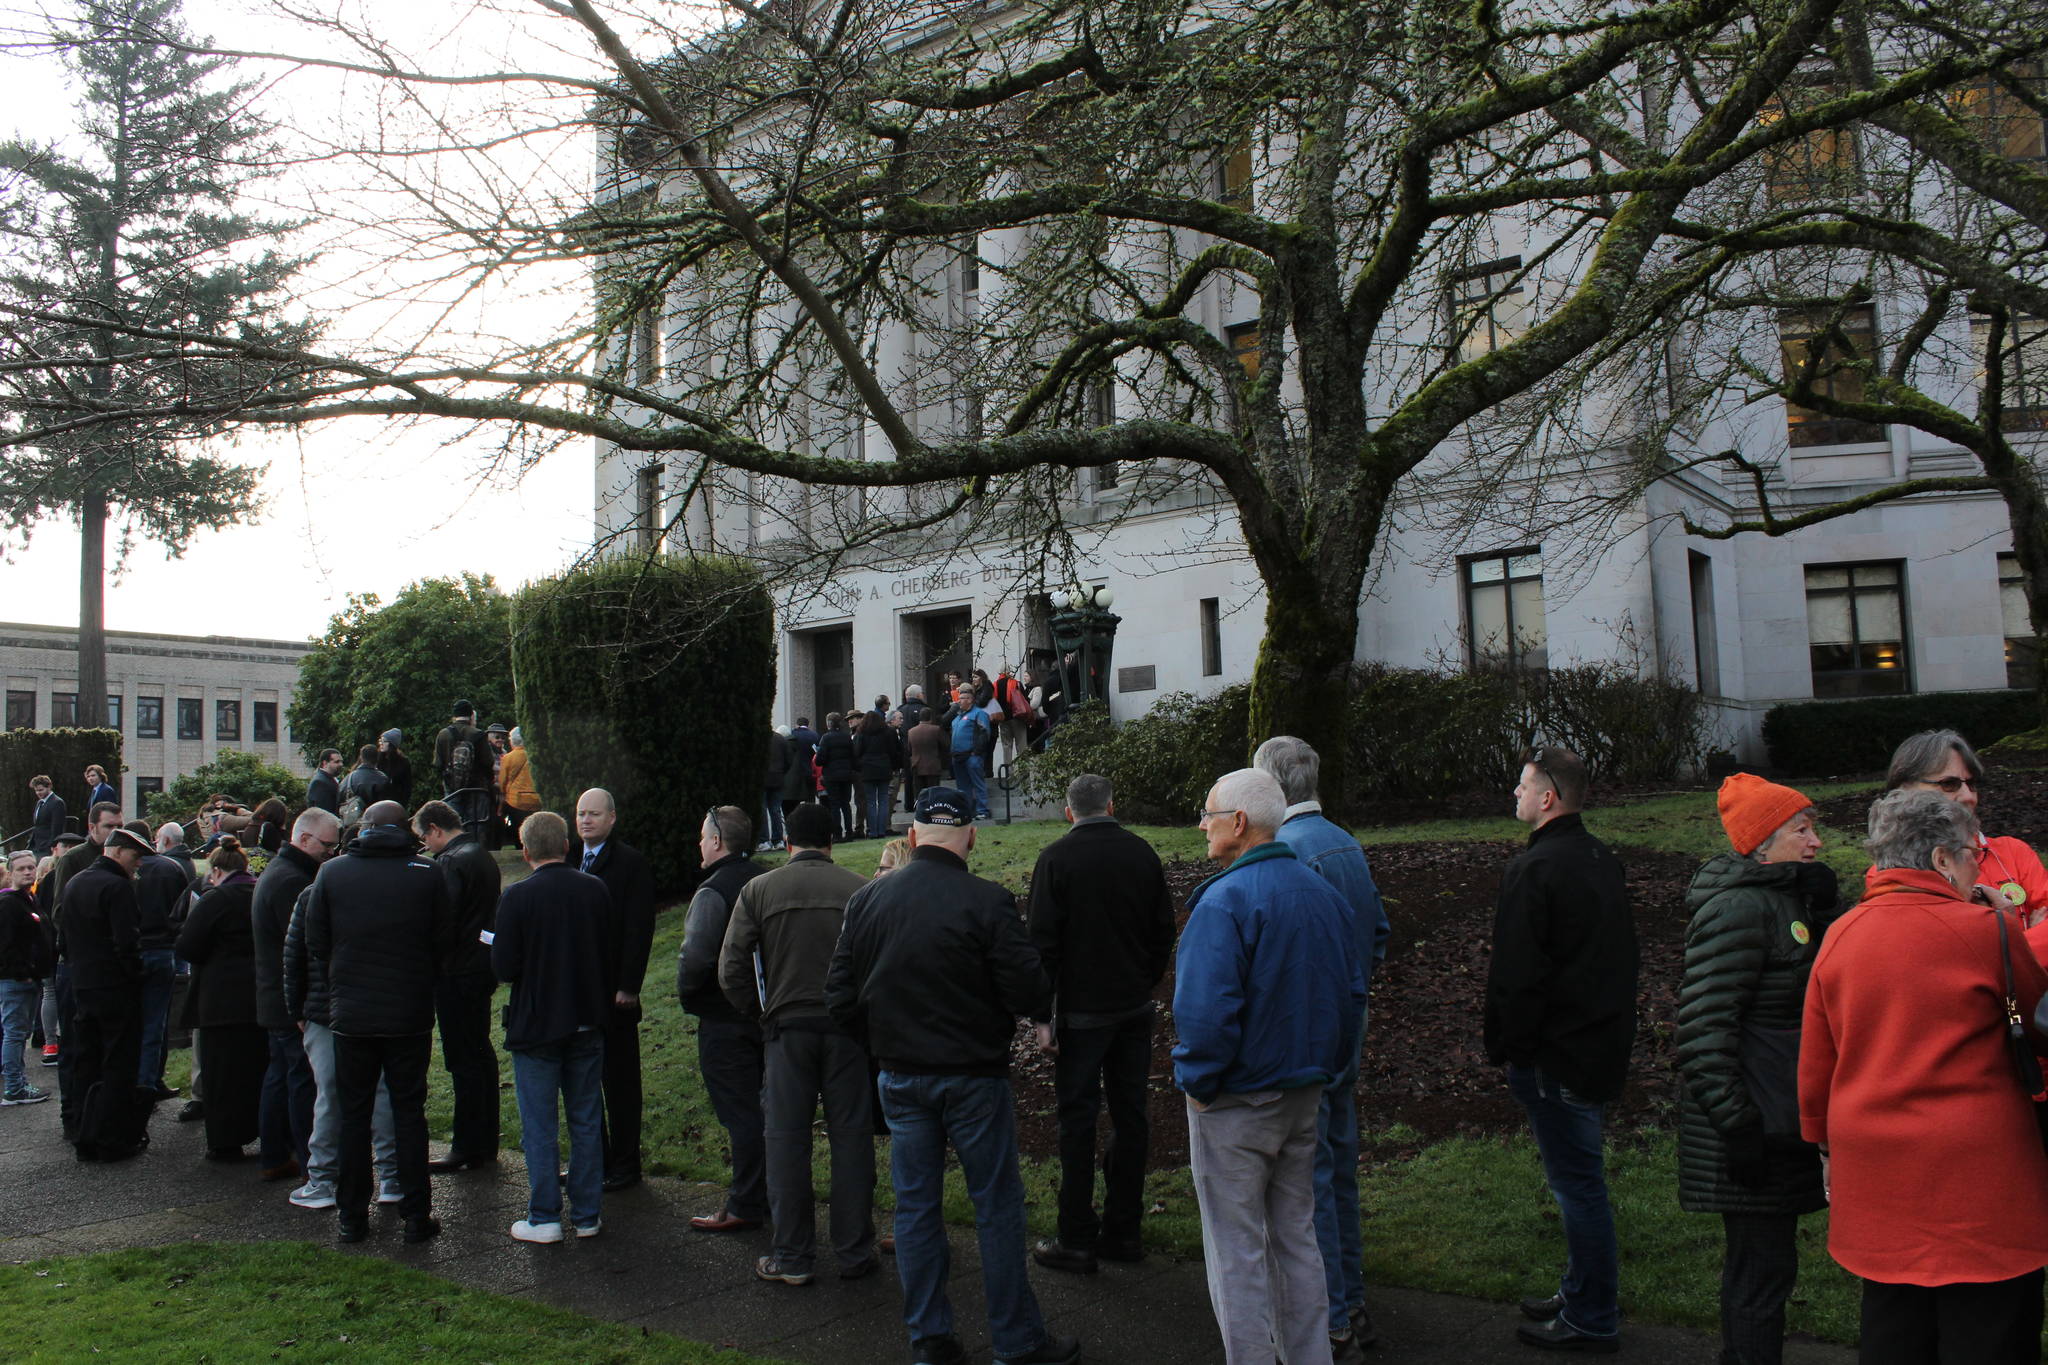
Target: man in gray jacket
[778,948]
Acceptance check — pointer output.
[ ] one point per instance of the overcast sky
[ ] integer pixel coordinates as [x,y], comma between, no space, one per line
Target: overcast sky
[352,507]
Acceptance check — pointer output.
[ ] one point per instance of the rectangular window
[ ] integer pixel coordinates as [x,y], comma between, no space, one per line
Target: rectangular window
[1234,177]
[1832,351]
[646,344]
[149,717]
[1243,340]
[1856,629]
[113,712]
[146,787]
[1487,307]
[191,718]
[1706,628]
[63,710]
[21,710]
[970,271]
[2022,369]
[1212,636]
[2022,647]
[1504,611]
[227,720]
[263,722]
[1102,413]
[1997,107]
[647,507]
[1821,164]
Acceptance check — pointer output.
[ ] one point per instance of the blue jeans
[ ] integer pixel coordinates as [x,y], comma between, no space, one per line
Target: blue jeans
[874,807]
[1569,1137]
[1337,1230]
[573,1069]
[967,776]
[978,1116]
[771,831]
[17,1021]
[159,975]
[284,1114]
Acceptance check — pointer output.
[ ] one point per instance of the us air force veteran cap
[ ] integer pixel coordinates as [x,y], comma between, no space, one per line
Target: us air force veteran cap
[943,806]
[127,838]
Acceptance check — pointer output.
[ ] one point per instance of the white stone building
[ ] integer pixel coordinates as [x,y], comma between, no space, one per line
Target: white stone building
[178,700]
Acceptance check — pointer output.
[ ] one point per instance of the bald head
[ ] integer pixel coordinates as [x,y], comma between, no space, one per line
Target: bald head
[595,816]
[957,839]
[384,813]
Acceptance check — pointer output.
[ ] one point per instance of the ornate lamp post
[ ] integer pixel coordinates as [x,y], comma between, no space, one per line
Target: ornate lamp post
[1084,632]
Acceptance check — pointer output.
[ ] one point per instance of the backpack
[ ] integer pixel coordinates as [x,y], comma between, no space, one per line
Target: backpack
[351,811]
[1011,694]
[461,770]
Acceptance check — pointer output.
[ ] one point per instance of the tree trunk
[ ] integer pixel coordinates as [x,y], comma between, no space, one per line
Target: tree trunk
[1301,685]
[92,610]
[2027,511]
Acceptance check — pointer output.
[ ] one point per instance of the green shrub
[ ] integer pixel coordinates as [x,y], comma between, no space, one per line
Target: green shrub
[651,678]
[62,754]
[1414,731]
[1628,728]
[1822,738]
[245,777]
[1160,765]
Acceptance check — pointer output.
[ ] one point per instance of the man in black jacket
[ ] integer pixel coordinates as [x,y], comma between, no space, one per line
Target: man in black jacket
[729,1050]
[101,821]
[161,885]
[1560,1012]
[48,821]
[553,945]
[932,968]
[379,923]
[285,1118]
[98,936]
[1102,920]
[465,988]
[627,877]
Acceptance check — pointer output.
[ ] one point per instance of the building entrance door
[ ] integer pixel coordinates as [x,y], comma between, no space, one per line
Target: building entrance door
[832,671]
[944,641]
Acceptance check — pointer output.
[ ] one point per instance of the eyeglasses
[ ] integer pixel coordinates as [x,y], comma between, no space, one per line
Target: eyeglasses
[330,844]
[1952,785]
[1206,816]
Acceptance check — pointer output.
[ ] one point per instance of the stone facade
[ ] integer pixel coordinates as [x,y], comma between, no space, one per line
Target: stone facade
[182,699]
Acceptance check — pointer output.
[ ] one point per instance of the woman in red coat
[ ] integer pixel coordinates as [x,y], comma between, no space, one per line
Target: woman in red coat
[1939,1196]
[1943,761]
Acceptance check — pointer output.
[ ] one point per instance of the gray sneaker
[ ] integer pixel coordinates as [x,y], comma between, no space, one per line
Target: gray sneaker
[390,1192]
[26,1094]
[311,1196]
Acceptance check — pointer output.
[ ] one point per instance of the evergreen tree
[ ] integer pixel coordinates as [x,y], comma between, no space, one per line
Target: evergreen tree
[125,236]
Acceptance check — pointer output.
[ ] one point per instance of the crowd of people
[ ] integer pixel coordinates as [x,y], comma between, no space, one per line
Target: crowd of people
[1878,1061]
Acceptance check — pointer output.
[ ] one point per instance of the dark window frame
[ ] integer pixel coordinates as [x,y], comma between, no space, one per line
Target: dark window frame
[1875,679]
[2022,652]
[1473,299]
[1518,656]
[63,710]
[21,709]
[1212,637]
[1807,427]
[227,719]
[145,709]
[263,722]
[192,718]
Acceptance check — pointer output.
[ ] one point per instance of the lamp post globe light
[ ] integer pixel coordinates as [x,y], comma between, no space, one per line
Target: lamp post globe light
[1084,633]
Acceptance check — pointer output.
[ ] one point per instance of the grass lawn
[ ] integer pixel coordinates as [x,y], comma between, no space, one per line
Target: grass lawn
[292,1301]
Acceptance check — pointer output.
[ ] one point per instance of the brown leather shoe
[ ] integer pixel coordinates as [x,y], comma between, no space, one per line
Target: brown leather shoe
[723,1222]
[286,1171]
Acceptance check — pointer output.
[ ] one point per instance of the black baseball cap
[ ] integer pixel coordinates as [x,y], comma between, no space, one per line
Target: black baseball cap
[943,806]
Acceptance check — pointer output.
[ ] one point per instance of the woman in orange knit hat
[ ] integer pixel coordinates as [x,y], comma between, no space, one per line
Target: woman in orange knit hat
[2011,872]
[1939,1195]
[1757,917]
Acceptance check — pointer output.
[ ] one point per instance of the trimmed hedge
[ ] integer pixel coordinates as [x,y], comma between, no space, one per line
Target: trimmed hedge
[63,755]
[652,678]
[1821,738]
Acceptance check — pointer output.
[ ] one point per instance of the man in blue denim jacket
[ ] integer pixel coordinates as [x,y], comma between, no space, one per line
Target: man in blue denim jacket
[1267,996]
[1328,850]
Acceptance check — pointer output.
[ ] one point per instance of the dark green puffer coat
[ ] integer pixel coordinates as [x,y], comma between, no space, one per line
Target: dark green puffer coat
[1744,961]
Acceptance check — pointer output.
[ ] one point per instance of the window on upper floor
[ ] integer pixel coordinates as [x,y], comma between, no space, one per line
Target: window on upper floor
[1101,412]
[647,517]
[227,720]
[1243,340]
[191,718]
[646,344]
[1819,164]
[63,710]
[1833,350]
[149,717]
[1856,629]
[1234,176]
[21,710]
[2004,110]
[263,722]
[2022,646]
[1487,306]
[1504,626]
[2022,368]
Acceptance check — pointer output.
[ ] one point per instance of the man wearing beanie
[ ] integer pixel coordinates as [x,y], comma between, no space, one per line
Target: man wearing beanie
[1561,1014]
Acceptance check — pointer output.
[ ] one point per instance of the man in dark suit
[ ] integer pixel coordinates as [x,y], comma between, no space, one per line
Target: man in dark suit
[466,986]
[1102,920]
[49,816]
[631,883]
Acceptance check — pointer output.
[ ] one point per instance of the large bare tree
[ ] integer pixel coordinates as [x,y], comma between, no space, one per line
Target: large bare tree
[791,198]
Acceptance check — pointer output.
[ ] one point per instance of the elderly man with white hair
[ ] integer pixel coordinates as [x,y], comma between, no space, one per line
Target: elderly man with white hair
[1268,996]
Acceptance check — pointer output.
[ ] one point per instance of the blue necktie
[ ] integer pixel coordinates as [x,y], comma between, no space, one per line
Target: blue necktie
[589,857]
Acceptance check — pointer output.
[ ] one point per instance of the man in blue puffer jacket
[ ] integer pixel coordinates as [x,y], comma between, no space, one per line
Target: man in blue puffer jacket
[1268,995]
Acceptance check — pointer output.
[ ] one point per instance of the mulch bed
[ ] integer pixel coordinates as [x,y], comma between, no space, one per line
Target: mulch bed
[2014,800]
[1424,1067]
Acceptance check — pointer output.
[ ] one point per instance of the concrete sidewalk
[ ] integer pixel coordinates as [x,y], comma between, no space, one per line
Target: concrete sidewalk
[648,1267]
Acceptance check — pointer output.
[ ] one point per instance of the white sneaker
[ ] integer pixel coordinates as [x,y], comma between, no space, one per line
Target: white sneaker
[523,1231]
[390,1193]
[311,1196]
[590,1231]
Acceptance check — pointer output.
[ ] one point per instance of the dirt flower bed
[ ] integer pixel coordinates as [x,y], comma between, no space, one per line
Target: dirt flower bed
[1424,1067]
